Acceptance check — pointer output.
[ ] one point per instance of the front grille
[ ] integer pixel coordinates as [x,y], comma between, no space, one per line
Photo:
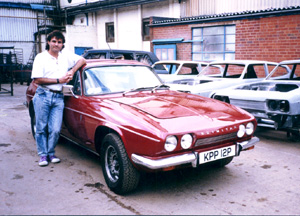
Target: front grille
[215,139]
[247,104]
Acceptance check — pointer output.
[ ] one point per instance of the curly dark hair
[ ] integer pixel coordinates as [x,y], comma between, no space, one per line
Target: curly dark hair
[57,34]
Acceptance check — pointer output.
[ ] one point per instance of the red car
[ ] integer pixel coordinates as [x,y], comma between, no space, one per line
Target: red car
[120,110]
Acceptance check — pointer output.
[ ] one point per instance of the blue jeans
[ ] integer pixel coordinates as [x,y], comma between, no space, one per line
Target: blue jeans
[48,108]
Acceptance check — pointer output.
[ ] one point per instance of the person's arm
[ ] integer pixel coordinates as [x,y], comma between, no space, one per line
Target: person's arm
[64,79]
[78,65]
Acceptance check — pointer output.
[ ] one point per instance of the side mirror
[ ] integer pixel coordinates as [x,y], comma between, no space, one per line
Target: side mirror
[68,91]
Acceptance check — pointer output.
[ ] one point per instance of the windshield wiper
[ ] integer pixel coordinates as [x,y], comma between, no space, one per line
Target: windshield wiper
[137,89]
[146,88]
[160,86]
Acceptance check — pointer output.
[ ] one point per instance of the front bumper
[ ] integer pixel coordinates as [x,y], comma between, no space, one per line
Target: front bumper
[186,158]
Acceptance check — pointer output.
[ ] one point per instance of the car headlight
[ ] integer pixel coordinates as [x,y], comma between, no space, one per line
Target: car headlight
[171,143]
[186,141]
[278,105]
[249,128]
[242,130]
[284,106]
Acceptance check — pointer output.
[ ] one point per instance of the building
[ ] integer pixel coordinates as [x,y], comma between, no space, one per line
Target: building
[113,24]
[173,29]
[266,33]
[22,24]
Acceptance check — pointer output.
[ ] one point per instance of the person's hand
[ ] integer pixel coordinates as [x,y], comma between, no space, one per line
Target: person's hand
[66,78]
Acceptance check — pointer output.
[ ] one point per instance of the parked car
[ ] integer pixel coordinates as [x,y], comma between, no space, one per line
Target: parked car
[143,56]
[120,110]
[222,74]
[274,101]
[172,70]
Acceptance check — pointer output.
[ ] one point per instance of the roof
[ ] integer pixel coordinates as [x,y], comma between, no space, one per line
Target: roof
[158,21]
[103,5]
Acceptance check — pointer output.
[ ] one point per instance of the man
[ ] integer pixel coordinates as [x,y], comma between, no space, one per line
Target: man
[51,71]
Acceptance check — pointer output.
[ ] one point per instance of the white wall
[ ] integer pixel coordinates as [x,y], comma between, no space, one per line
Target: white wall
[128,24]
[80,36]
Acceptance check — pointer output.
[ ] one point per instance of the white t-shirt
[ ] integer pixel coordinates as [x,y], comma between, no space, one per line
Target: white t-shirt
[47,66]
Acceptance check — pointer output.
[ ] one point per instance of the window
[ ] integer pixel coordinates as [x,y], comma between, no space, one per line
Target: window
[213,43]
[110,32]
[146,29]
[76,83]
[165,52]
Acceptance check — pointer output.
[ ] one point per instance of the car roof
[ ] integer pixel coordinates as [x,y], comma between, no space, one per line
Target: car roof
[290,62]
[179,62]
[112,62]
[114,50]
[244,62]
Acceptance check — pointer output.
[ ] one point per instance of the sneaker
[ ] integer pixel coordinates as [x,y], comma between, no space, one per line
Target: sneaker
[54,159]
[43,161]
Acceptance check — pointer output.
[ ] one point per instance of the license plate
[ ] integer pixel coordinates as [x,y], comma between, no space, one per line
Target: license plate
[216,154]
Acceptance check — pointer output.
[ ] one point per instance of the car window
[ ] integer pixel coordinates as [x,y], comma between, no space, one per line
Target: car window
[270,67]
[169,67]
[233,71]
[95,56]
[127,56]
[281,72]
[296,72]
[188,69]
[145,58]
[77,84]
[102,80]
[213,70]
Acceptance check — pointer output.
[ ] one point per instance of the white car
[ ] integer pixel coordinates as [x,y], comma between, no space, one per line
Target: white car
[172,70]
[275,101]
[223,74]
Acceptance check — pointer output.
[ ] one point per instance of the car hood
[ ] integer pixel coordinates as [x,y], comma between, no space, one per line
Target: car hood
[207,86]
[176,105]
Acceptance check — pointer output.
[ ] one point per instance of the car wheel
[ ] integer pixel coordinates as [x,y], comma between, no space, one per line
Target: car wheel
[222,162]
[119,173]
[33,125]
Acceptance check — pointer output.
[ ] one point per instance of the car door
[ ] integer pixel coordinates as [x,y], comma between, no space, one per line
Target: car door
[75,116]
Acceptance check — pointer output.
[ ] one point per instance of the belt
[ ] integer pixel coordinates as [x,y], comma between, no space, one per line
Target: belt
[47,89]
[54,91]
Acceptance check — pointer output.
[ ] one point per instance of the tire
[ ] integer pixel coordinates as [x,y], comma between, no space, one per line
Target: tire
[222,162]
[119,173]
[33,127]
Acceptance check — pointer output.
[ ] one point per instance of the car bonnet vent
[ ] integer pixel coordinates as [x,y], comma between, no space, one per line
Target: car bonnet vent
[285,87]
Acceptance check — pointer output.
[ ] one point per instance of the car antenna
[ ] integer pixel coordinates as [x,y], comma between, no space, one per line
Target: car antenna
[110,51]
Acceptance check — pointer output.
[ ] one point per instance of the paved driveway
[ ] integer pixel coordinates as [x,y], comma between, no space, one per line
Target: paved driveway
[261,181]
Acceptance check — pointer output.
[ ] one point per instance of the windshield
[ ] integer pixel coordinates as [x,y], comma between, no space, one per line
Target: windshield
[224,70]
[284,72]
[112,79]
[166,68]
[212,70]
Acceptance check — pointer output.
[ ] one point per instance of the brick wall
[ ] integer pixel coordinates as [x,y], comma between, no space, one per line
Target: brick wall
[271,38]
